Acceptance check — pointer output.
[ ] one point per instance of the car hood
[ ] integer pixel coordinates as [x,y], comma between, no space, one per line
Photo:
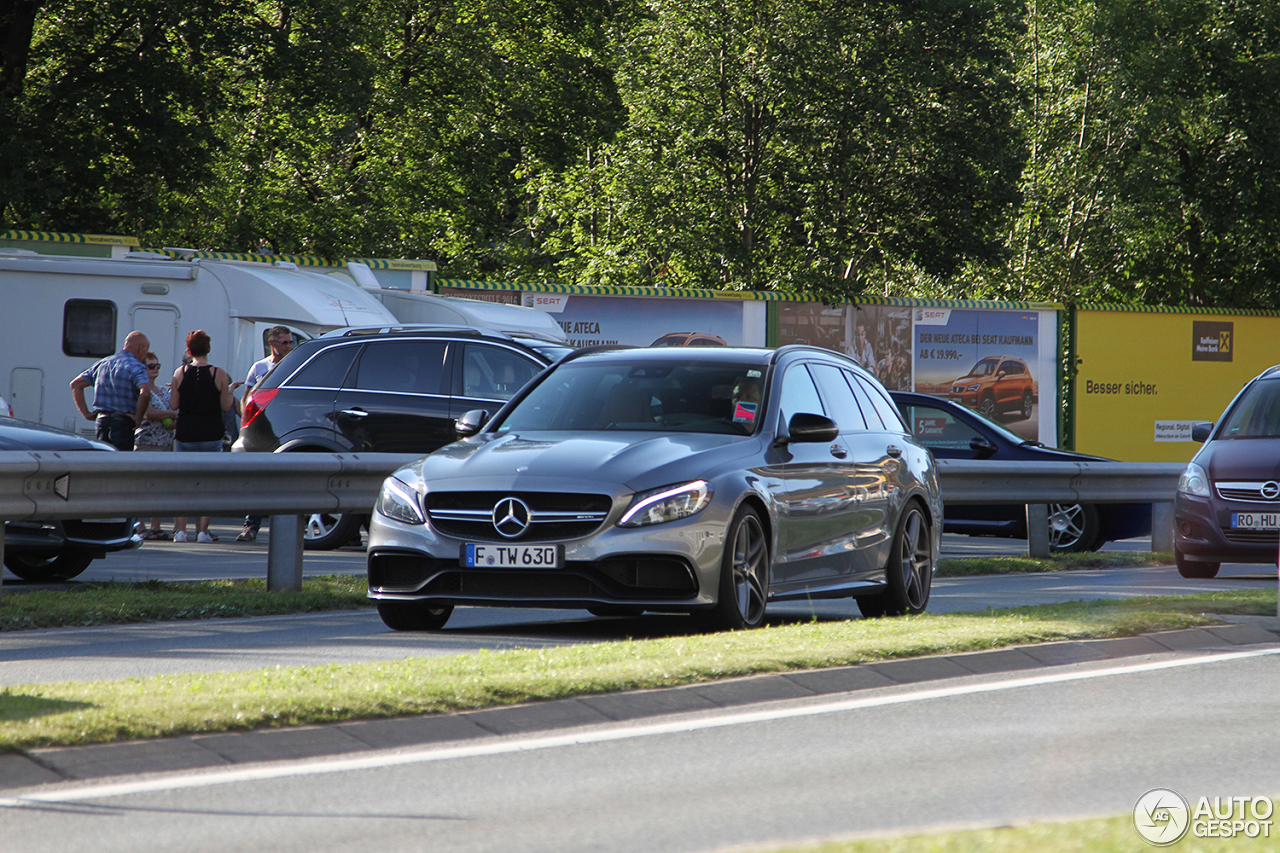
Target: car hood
[636,460]
[1241,459]
[25,435]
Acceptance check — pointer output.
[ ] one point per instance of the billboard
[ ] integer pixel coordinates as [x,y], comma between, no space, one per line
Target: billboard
[589,320]
[928,347]
[1145,377]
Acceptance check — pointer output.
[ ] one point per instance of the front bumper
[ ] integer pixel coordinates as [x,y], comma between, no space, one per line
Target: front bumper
[47,538]
[1202,532]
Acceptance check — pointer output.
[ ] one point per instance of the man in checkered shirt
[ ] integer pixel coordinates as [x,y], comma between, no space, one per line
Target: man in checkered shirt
[121,392]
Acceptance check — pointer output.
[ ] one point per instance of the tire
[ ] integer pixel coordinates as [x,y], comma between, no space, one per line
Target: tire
[744,575]
[62,567]
[1194,568]
[326,531]
[1027,404]
[1074,528]
[909,571]
[414,615]
[987,408]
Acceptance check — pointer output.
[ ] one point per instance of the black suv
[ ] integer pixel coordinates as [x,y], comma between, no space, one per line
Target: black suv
[44,551]
[1227,507]
[395,389]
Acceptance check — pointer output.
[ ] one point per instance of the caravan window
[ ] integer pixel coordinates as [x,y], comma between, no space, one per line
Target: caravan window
[89,328]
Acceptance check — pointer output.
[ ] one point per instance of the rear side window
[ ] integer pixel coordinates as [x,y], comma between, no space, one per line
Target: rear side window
[839,398]
[326,370]
[407,367]
[89,327]
[884,407]
[936,429]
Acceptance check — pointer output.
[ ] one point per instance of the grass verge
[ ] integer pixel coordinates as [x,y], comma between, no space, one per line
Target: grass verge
[95,712]
[1096,835]
[154,601]
[81,605]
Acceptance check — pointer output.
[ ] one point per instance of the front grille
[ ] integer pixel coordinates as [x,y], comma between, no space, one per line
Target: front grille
[1252,537]
[553,516]
[1251,492]
[617,579]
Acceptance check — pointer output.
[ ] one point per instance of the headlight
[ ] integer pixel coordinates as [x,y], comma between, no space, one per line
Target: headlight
[667,504]
[399,502]
[974,387]
[1194,481]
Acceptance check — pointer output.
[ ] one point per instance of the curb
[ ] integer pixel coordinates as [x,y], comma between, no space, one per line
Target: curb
[47,765]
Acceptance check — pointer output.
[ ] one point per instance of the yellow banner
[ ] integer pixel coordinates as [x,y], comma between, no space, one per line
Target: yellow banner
[1145,377]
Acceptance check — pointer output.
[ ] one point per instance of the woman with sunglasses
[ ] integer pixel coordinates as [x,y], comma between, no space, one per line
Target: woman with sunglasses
[156,432]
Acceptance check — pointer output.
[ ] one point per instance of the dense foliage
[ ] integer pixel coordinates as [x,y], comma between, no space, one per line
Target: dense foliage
[1113,150]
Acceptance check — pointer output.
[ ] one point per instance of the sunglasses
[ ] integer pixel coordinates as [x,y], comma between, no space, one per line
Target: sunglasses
[153,366]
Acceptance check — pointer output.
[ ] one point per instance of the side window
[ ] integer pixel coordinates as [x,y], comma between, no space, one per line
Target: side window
[884,406]
[492,373]
[936,429]
[839,398]
[869,410]
[799,394]
[89,327]
[327,369]
[406,367]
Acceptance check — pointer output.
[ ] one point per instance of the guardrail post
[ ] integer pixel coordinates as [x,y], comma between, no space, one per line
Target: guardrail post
[284,553]
[1038,530]
[1162,527]
[2,559]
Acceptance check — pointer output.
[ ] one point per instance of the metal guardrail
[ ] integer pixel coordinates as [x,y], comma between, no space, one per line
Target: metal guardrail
[1037,484]
[58,485]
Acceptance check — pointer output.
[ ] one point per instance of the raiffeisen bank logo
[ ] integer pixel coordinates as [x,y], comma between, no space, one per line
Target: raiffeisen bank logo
[1161,817]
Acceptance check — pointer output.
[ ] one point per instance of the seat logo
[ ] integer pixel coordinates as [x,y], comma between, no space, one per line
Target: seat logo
[511,517]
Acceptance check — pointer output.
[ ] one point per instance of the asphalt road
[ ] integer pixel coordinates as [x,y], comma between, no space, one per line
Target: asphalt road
[122,651]
[1079,740]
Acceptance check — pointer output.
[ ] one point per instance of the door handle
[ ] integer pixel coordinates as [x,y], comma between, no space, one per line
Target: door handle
[894,451]
[838,451]
[355,413]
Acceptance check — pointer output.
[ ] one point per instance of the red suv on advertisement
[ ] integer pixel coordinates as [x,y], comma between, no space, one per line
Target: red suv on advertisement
[996,384]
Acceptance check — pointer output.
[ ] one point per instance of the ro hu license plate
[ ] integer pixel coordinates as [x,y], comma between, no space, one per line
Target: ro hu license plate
[1255,520]
[490,556]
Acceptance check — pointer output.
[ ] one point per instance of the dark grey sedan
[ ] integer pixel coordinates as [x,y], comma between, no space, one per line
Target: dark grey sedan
[690,480]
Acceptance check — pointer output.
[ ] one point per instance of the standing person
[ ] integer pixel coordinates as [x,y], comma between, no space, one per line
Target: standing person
[200,393]
[155,434]
[281,340]
[121,392]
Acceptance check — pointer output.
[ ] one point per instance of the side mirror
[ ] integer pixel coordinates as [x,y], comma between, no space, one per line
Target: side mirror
[982,447]
[471,423]
[1200,432]
[806,427]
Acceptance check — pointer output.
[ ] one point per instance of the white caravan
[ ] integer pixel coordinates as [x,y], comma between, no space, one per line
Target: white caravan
[61,314]
[415,306]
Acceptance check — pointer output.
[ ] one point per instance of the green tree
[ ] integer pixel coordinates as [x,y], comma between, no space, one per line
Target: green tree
[825,147]
[1154,166]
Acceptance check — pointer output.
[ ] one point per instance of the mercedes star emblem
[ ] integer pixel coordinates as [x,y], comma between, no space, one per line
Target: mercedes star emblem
[511,517]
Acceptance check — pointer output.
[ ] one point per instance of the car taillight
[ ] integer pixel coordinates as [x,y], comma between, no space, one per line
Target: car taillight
[256,404]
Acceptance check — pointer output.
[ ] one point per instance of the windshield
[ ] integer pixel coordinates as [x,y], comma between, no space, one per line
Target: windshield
[662,396]
[1256,414]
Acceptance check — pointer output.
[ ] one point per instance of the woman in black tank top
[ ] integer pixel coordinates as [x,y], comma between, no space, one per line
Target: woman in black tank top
[200,394]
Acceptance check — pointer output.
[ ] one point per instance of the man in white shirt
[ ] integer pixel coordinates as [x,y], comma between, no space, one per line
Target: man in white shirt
[281,340]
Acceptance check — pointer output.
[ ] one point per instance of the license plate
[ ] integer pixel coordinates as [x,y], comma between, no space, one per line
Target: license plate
[489,556]
[1255,520]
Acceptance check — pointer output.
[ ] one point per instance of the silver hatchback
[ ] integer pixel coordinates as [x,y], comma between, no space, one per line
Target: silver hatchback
[703,481]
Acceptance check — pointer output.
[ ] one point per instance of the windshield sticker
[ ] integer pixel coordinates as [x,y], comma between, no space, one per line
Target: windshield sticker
[744,413]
